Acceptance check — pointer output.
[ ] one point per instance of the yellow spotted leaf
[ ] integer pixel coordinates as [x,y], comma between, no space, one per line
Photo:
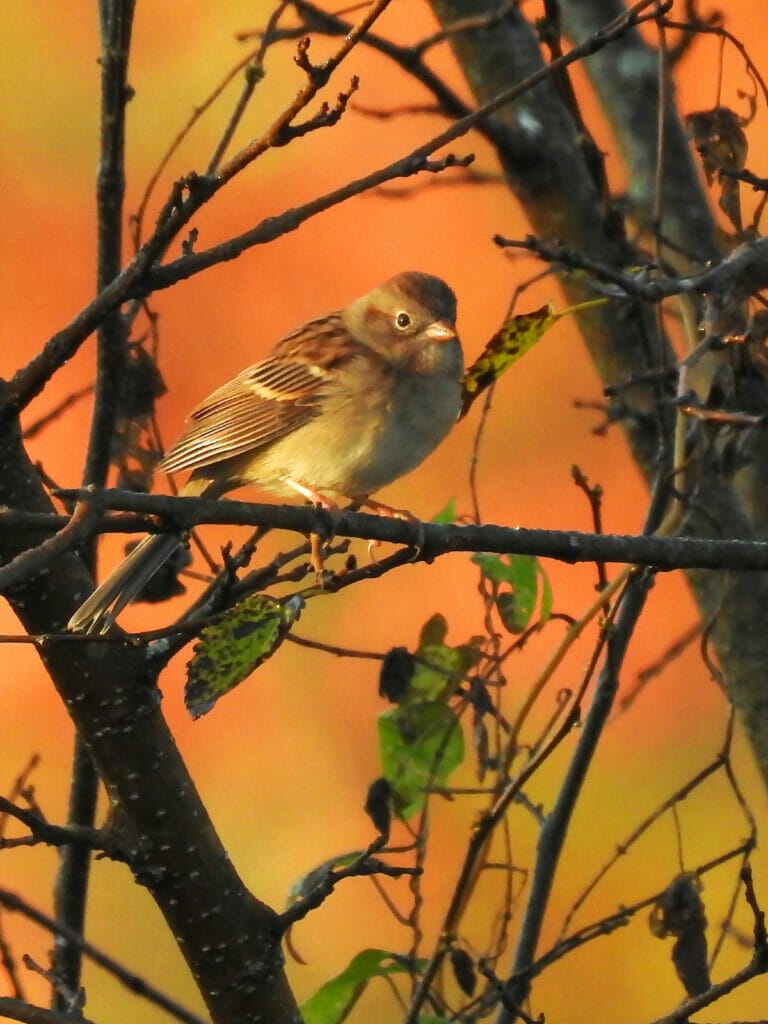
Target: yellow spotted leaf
[514,338]
[232,647]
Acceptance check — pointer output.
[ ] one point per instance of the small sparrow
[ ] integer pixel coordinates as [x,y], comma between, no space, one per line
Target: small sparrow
[341,407]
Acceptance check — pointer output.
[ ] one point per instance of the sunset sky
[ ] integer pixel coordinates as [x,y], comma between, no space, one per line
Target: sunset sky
[284,762]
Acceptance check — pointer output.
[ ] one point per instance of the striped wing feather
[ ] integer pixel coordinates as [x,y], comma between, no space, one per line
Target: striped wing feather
[266,401]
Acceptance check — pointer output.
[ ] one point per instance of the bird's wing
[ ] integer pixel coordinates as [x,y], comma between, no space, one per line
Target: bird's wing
[266,401]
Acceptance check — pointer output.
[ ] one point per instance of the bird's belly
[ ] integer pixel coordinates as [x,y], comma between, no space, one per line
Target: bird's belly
[359,446]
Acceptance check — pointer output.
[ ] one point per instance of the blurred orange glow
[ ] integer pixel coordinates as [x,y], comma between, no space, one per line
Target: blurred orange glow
[284,762]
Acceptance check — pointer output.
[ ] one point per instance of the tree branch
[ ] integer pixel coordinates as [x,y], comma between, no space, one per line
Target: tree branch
[228,937]
[19,1009]
[429,540]
[134,982]
[555,827]
[141,277]
[116,22]
[57,835]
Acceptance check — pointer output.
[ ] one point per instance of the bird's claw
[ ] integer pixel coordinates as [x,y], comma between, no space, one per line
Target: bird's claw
[394,513]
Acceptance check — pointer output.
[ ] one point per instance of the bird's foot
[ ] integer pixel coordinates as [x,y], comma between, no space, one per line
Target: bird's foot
[393,513]
[386,510]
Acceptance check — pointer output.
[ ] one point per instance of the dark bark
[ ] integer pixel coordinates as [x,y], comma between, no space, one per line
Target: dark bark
[229,938]
[553,175]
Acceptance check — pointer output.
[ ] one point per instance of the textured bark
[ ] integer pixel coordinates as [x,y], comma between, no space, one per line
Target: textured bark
[553,174]
[560,184]
[625,76]
[557,179]
[229,939]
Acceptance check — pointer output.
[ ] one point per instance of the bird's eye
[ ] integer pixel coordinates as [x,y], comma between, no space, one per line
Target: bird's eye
[403,320]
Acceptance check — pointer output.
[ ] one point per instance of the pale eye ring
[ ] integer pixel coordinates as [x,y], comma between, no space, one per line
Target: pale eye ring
[403,320]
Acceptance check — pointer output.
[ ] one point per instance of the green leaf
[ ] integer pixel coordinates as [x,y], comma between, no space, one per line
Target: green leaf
[434,630]
[420,744]
[516,609]
[438,670]
[447,514]
[333,1003]
[493,568]
[437,667]
[527,581]
[232,647]
[547,597]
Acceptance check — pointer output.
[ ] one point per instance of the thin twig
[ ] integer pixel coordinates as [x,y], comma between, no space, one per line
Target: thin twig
[136,984]
[27,1013]
[623,848]
[612,922]
[317,77]
[254,72]
[141,277]
[65,405]
[54,835]
[472,859]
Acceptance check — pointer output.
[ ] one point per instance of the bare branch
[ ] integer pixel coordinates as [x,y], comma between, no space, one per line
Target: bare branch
[56,835]
[136,984]
[140,277]
[429,540]
[253,75]
[317,77]
[18,1009]
[365,865]
[744,270]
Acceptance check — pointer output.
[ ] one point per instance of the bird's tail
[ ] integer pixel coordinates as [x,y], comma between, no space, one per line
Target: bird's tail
[98,612]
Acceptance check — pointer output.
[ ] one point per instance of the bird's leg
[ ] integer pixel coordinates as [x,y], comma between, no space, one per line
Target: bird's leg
[314,496]
[316,557]
[315,540]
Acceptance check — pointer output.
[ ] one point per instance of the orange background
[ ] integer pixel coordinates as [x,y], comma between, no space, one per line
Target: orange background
[284,762]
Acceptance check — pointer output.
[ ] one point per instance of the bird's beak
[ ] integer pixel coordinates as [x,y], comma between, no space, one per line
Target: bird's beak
[441,330]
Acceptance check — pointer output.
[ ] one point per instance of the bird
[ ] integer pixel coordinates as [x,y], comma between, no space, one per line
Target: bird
[342,406]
